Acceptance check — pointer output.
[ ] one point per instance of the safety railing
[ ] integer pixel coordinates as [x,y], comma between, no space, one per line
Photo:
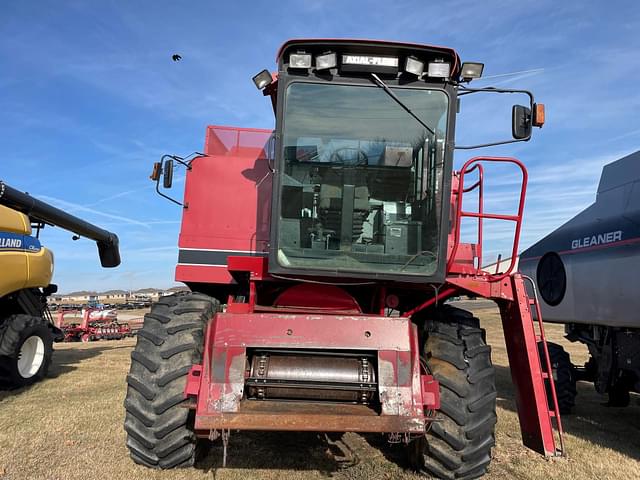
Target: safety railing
[470,166]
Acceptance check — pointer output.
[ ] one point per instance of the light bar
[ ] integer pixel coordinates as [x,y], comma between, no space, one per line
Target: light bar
[262,79]
[300,60]
[370,60]
[471,70]
[327,60]
[439,70]
[414,66]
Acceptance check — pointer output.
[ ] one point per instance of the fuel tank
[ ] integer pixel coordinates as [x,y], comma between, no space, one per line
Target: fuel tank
[588,270]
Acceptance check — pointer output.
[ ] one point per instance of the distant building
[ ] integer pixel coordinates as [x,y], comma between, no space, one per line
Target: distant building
[114,296]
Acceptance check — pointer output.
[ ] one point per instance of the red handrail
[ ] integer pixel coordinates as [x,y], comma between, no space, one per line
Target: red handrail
[468,167]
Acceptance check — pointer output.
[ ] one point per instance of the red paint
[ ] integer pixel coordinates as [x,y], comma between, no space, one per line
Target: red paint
[318,298]
[470,166]
[228,199]
[229,336]
[193,381]
[255,266]
[430,392]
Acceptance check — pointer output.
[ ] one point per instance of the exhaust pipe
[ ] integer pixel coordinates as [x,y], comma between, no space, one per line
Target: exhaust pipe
[37,210]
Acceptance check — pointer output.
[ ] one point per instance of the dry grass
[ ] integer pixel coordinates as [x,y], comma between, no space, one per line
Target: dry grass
[70,427]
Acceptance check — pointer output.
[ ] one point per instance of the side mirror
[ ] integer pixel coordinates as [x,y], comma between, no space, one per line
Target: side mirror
[520,122]
[168,174]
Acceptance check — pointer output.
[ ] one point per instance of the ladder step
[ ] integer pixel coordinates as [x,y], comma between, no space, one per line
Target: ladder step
[552,413]
[545,375]
[532,301]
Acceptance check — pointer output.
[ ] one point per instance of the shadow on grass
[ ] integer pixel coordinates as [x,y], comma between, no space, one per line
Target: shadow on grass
[608,427]
[301,451]
[64,361]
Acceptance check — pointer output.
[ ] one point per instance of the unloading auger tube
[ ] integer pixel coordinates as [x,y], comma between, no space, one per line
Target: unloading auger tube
[38,210]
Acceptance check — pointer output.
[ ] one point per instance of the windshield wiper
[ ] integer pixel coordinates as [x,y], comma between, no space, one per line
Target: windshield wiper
[388,91]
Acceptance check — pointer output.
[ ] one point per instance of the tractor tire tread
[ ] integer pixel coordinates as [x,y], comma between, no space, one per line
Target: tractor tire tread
[14,330]
[159,428]
[458,444]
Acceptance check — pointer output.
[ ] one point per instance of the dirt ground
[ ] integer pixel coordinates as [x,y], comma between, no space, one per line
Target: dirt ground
[70,427]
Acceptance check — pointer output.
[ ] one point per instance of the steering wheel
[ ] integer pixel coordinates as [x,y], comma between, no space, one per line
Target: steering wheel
[335,157]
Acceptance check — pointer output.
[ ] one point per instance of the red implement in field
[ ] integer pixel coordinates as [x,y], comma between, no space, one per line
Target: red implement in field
[89,330]
[320,258]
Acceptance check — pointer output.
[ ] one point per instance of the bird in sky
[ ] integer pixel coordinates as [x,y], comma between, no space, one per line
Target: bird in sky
[176,57]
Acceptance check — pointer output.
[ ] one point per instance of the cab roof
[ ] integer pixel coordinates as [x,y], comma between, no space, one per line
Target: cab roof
[320,45]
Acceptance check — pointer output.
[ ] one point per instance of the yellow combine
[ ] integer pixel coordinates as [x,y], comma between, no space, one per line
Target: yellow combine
[26,269]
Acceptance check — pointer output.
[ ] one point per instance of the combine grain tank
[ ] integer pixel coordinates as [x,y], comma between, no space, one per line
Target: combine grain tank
[587,275]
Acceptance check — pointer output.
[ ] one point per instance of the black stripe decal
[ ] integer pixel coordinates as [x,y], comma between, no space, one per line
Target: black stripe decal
[208,257]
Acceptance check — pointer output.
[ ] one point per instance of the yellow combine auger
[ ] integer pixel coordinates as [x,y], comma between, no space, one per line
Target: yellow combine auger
[26,330]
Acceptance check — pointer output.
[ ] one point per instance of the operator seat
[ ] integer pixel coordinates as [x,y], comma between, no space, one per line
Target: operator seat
[331,201]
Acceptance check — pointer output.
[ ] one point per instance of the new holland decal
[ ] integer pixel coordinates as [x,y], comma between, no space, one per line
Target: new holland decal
[14,242]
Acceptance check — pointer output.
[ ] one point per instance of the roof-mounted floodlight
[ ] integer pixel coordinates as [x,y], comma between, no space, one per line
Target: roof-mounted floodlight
[439,69]
[414,66]
[326,60]
[263,79]
[471,70]
[300,60]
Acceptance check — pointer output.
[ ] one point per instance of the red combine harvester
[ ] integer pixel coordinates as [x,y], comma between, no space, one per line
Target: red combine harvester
[89,330]
[319,258]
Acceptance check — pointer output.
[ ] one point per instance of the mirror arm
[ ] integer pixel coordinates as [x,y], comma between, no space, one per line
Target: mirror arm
[167,196]
[468,90]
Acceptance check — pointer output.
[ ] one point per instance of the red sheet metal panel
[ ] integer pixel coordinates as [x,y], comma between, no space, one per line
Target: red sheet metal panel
[228,203]
[220,402]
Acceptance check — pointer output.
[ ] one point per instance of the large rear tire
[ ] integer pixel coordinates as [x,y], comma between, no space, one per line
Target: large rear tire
[458,443]
[26,348]
[159,428]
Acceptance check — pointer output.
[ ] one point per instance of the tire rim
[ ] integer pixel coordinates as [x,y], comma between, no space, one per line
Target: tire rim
[31,356]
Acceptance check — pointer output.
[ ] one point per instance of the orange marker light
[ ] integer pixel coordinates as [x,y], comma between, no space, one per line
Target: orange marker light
[538,114]
[157,170]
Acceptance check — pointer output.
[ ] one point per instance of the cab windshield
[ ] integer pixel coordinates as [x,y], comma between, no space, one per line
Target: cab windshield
[361,181]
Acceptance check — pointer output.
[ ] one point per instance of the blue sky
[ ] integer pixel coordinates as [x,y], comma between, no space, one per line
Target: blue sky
[89,98]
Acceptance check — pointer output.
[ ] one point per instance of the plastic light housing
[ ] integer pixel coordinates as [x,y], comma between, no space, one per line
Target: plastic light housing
[471,70]
[439,70]
[327,60]
[414,66]
[262,79]
[300,60]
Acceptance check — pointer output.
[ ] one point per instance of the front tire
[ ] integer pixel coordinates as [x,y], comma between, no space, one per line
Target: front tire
[159,428]
[26,349]
[458,443]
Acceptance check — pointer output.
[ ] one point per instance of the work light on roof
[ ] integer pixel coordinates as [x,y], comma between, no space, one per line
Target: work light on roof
[414,66]
[326,60]
[300,60]
[471,70]
[262,79]
[439,69]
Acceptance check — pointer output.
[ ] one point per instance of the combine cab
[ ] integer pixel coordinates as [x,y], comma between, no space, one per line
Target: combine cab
[320,257]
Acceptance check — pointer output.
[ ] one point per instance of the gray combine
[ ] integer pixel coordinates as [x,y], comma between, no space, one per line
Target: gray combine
[588,277]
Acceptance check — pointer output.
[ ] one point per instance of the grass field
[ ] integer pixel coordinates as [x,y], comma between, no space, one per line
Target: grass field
[70,427]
